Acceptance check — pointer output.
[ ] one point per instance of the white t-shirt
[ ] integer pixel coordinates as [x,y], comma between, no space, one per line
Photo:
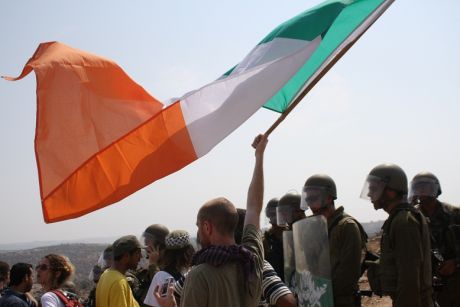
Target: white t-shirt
[158,279]
[49,299]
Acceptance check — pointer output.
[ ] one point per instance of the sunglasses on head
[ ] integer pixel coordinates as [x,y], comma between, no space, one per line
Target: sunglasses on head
[41,267]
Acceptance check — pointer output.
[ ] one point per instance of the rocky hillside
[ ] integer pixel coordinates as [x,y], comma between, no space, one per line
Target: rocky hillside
[83,257]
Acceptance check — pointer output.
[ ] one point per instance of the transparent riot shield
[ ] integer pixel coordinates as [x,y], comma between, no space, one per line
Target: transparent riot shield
[312,263]
[289,260]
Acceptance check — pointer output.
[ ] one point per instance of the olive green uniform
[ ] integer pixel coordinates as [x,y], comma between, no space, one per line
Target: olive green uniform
[346,245]
[273,249]
[139,282]
[405,260]
[444,226]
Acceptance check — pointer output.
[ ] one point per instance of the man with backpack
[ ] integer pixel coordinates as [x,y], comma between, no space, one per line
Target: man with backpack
[347,239]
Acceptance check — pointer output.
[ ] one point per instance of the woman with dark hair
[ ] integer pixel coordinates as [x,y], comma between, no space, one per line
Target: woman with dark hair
[174,263]
[53,271]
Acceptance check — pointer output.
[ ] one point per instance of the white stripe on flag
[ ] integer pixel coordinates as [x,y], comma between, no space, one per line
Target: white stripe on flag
[214,111]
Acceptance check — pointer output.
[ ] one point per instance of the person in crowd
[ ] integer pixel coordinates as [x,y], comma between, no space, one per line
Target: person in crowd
[154,241]
[21,281]
[273,239]
[444,224]
[113,289]
[274,291]
[53,272]
[224,273]
[404,268]
[4,275]
[105,261]
[95,275]
[175,262]
[107,258]
[347,238]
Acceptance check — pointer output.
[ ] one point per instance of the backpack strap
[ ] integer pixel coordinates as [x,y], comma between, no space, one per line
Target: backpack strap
[61,296]
[364,236]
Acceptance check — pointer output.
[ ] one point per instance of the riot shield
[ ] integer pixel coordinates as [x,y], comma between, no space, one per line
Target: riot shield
[289,260]
[312,262]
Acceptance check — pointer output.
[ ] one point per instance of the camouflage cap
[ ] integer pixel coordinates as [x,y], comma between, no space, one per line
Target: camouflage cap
[125,244]
[177,239]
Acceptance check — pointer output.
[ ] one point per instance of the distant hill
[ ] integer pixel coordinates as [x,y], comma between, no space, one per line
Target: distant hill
[82,255]
[33,244]
[372,228]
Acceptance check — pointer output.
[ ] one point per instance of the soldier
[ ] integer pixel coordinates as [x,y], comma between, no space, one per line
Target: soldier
[405,264]
[288,210]
[347,238]
[273,240]
[444,223]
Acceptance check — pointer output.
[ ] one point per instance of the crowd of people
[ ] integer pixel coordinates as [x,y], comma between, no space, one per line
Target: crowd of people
[235,264]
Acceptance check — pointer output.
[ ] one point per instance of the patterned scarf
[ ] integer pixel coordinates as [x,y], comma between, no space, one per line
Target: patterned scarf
[219,255]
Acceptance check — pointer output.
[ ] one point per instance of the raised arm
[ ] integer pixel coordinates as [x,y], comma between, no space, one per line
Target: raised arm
[256,188]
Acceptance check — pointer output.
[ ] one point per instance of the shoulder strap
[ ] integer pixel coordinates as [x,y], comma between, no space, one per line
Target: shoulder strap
[345,217]
[407,207]
[61,296]
[404,207]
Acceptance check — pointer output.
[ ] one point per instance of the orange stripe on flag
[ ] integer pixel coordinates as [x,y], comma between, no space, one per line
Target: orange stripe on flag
[159,147]
[99,135]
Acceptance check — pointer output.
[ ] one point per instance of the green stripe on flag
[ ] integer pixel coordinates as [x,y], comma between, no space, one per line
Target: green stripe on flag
[346,21]
[308,25]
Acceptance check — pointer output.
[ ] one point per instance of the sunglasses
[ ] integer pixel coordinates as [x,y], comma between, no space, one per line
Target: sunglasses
[41,267]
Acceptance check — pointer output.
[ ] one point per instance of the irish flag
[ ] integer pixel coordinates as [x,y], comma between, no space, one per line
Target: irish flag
[101,137]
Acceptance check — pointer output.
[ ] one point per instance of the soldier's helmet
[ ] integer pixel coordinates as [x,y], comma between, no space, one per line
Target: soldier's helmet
[270,210]
[424,184]
[287,209]
[384,176]
[316,189]
[155,235]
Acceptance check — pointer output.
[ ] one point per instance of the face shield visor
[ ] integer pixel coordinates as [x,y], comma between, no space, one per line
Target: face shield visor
[95,273]
[313,198]
[373,188]
[285,215]
[423,187]
[270,213]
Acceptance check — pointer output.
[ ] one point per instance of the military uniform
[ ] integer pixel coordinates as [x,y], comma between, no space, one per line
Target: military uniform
[140,280]
[273,250]
[444,225]
[405,261]
[347,242]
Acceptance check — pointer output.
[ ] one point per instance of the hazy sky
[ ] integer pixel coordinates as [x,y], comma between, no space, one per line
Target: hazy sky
[394,97]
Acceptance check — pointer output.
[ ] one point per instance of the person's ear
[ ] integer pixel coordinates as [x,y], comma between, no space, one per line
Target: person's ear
[208,227]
